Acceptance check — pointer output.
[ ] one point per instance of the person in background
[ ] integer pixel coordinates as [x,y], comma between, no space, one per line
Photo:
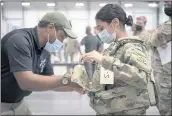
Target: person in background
[26,64]
[139,27]
[121,79]
[91,43]
[71,48]
[96,31]
[59,54]
[56,56]
[160,43]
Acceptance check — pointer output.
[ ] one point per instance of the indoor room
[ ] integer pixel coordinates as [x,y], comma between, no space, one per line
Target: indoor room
[83,18]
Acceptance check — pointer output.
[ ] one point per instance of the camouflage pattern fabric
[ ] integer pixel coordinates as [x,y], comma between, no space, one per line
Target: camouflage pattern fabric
[80,77]
[162,73]
[128,59]
[138,111]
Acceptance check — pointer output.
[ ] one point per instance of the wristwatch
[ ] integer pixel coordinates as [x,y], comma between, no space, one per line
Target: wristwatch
[65,80]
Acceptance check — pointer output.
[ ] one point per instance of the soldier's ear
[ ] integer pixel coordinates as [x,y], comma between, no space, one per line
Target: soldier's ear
[115,22]
[50,28]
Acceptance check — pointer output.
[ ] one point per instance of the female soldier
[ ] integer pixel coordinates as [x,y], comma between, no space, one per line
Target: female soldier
[122,73]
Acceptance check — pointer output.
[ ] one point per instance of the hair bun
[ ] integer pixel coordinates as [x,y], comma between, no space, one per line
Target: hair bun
[129,21]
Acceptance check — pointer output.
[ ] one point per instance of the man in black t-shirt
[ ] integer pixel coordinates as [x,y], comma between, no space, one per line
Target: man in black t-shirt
[26,64]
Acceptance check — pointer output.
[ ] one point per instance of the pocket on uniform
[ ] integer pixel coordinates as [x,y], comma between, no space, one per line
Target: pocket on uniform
[112,93]
[165,89]
[166,86]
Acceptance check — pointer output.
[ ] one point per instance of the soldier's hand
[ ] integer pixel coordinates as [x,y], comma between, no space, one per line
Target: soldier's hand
[92,56]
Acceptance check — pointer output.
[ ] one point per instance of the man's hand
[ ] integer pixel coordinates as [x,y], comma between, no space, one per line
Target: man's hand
[79,90]
[72,84]
[69,89]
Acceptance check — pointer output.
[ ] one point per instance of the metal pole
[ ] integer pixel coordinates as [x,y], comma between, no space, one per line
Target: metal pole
[158,13]
[23,22]
[89,12]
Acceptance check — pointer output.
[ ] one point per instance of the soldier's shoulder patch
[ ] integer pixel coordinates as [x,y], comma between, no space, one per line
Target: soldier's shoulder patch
[138,58]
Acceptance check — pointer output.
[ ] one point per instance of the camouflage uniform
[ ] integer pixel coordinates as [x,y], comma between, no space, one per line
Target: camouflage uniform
[129,94]
[162,73]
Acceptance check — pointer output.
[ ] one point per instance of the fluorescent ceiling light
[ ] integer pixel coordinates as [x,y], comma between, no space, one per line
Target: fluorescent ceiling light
[2,4]
[25,3]
[128,5]
[79,4]
[152,5]
[102,4]
[51,4]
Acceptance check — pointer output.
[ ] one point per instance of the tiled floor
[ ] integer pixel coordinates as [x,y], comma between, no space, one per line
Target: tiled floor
[64,103]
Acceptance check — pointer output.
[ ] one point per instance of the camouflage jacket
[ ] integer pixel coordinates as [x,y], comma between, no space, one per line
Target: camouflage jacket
[129,60]
[162,72]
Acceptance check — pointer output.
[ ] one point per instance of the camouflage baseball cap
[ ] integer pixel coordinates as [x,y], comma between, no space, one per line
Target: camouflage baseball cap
[60,21]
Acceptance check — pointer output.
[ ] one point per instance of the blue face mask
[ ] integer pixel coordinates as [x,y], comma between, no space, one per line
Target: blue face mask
[106,37]
[55,46]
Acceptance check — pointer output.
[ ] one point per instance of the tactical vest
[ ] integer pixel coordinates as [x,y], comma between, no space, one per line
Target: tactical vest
[162,72]
[118,99]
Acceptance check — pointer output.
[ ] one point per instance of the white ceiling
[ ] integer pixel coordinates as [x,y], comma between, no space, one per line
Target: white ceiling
[70,5]
[80,0]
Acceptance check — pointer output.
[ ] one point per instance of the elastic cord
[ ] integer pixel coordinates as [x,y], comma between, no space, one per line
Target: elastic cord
[48,37]
[55,33]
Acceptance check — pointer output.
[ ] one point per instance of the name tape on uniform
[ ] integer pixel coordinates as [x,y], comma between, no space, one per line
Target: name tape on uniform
[106,76]
[165,53]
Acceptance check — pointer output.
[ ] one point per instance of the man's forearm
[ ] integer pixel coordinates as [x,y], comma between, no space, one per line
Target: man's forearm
[34,82]
[40,83]
[63,89]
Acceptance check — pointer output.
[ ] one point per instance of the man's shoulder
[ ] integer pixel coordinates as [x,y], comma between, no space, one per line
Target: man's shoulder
[24,32]
[90,35]
[16,37]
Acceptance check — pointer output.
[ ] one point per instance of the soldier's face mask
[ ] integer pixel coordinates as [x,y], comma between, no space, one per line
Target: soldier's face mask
[138,28]
[168,8]
[55,46]
[105,36]
[168,11]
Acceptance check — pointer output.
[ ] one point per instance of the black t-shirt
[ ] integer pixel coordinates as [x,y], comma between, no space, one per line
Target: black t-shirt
[21,51]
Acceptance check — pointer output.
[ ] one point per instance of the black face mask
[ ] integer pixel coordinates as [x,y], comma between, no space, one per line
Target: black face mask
[138,28]
[168,11]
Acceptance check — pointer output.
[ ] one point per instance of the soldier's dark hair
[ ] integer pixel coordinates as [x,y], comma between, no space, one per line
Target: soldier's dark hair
[44,24]
[111,11]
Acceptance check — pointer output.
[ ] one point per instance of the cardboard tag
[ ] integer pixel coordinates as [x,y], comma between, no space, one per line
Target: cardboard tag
[165,53]
[106,76]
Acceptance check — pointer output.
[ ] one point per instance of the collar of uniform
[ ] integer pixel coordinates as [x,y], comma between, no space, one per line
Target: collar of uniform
[35,35]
